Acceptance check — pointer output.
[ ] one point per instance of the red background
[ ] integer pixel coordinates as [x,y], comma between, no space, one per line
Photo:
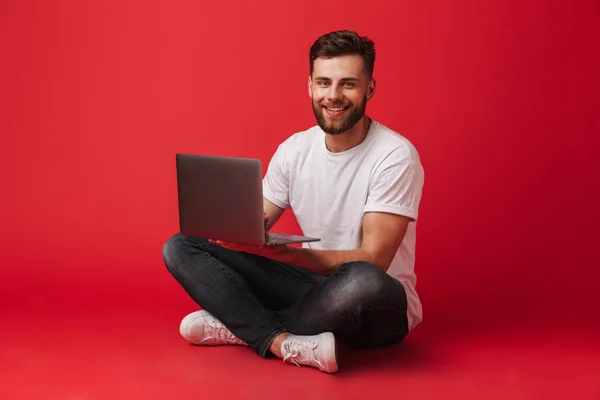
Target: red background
[500,98]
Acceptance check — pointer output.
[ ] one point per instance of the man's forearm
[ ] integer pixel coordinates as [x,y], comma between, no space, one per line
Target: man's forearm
[324,262]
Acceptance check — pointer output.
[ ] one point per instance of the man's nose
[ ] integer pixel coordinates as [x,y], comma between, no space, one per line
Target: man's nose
[334,92]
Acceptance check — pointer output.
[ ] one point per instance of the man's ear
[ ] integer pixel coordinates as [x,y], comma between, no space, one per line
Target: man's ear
[310,86]
[371,88]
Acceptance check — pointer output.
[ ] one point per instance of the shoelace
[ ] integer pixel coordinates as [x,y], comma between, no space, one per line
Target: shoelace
[300,349]
[220,331]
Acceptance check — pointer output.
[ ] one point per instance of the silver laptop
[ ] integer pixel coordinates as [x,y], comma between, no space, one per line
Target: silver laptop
[221,198]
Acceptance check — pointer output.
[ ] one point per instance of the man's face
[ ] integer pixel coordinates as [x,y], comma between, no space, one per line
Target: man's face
[339,89]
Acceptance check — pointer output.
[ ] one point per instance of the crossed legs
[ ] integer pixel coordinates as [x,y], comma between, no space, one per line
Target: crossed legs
[262,301]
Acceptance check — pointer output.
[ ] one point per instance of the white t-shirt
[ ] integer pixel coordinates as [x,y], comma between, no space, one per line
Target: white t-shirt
[329,193]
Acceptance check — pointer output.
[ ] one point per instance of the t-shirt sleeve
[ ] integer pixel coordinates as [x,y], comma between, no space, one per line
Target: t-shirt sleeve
[276,180]
[397,189]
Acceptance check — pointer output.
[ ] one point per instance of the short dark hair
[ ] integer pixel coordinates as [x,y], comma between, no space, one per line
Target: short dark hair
[342,43]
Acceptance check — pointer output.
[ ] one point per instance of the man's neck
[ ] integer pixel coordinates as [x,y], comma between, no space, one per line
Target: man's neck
[349,139]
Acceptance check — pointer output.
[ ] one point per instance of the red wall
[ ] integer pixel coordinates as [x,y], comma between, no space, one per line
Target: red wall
[500,98]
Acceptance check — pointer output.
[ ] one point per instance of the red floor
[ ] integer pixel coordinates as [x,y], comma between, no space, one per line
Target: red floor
[135,352]
[86,321]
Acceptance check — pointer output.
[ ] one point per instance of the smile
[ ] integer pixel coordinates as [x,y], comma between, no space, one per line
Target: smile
[335,109]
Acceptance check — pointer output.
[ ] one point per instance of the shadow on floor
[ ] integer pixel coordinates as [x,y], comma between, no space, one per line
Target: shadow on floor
[420,352]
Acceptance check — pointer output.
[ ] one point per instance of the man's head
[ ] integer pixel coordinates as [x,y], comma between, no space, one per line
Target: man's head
[341,79]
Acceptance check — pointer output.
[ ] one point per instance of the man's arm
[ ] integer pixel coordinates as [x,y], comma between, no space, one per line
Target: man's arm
[272,213]
[393,202]
[382,235]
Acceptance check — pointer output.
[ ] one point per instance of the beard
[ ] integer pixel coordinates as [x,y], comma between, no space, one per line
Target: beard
[335,126]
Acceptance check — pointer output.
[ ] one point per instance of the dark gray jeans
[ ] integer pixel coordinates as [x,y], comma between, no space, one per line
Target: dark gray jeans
[258,298]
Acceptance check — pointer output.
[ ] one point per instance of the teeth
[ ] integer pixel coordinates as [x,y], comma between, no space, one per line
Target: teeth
[335,109]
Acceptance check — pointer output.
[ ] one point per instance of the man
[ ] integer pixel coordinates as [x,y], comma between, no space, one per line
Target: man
[350,181]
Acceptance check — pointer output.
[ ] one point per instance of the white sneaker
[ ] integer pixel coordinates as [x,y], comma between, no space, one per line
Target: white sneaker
[201,328]
[317,351]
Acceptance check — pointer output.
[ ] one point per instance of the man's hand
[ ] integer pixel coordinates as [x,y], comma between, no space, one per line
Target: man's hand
[264,251]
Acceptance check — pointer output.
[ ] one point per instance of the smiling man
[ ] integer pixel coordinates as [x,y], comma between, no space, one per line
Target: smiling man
[351,181]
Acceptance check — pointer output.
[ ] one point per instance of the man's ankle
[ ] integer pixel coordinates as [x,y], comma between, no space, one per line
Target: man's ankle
[275,347]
